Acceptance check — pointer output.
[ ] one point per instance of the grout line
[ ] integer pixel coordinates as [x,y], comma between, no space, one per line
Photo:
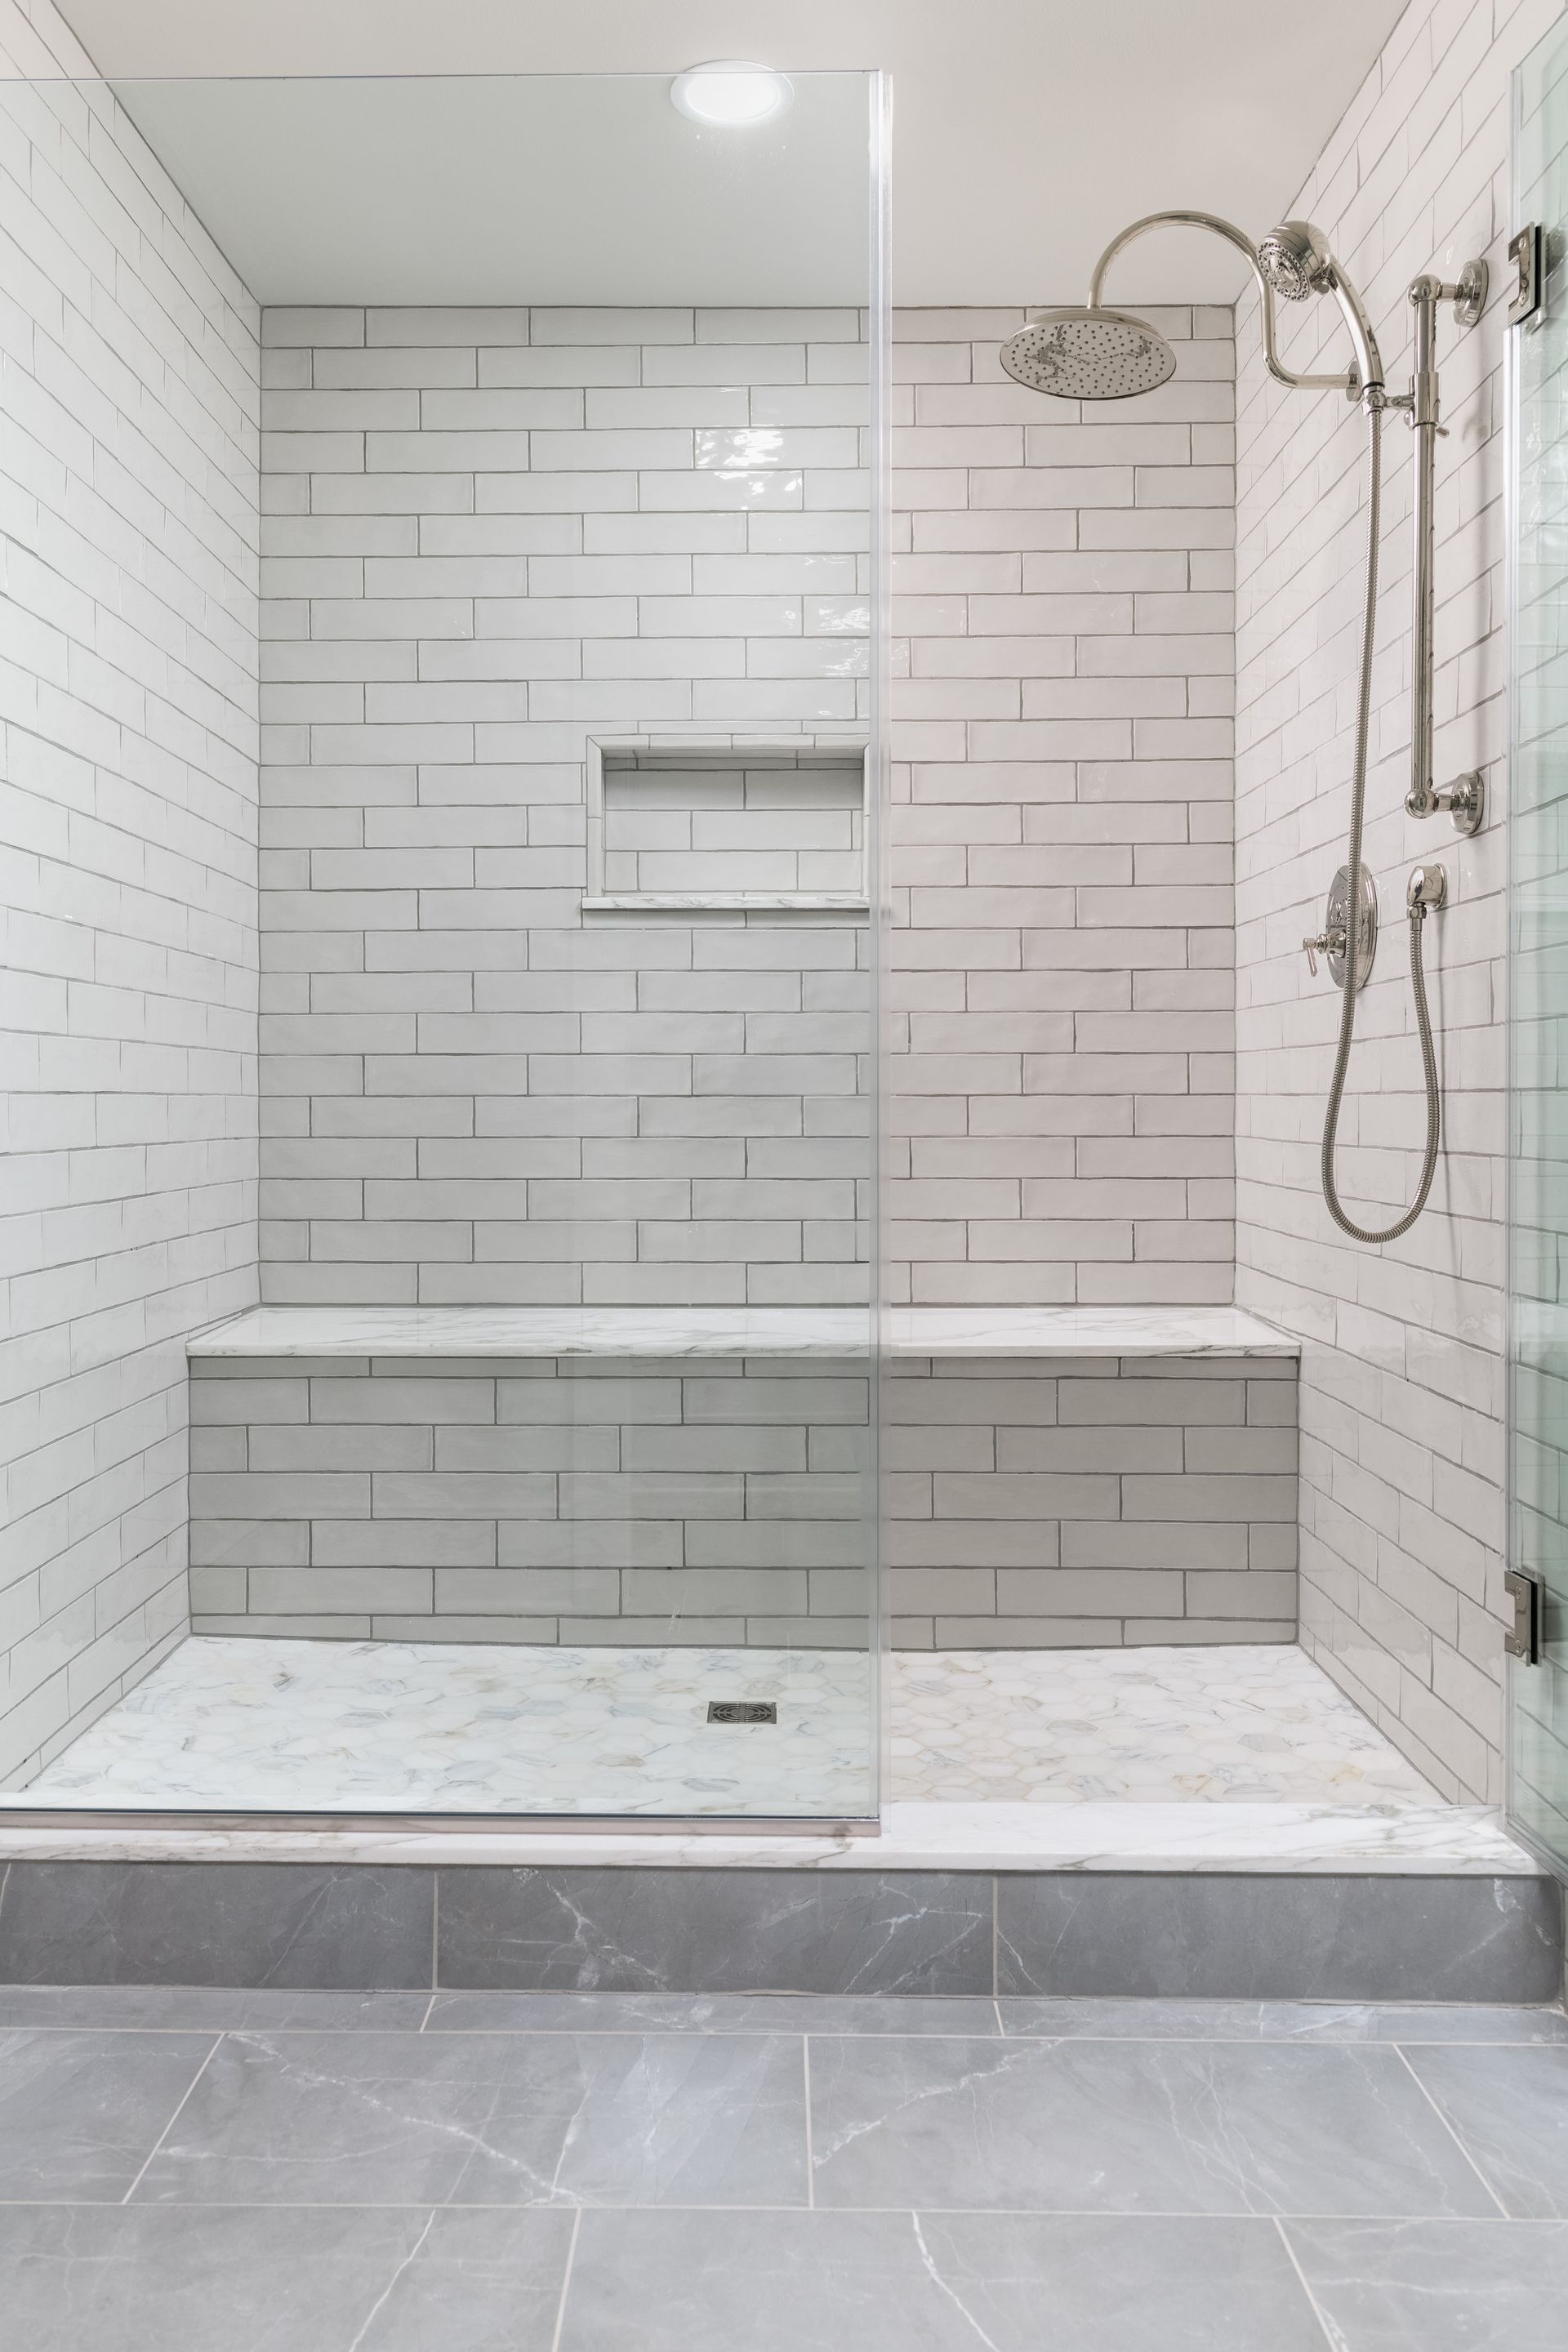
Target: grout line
[566,2280]
[390,2289]
[996,1934]
[1331,2334]
[1453,2135]
[174,2119]
[764,2028]
[810,2152]
[435,1933]
[1010,2212]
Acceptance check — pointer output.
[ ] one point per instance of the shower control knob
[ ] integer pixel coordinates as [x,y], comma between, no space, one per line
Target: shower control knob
[1332,942]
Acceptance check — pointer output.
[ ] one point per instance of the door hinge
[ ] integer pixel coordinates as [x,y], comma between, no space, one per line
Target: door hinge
[1522,1639]
[1525,252]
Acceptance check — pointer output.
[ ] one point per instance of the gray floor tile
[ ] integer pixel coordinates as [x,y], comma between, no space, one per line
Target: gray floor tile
[206,2008]
[924,2283]
[1510,2109]
[152,2279]
[1175,2127]
[1278,2021]
[81,2113]
[672,2012]
[490,2119]
[1437,2286]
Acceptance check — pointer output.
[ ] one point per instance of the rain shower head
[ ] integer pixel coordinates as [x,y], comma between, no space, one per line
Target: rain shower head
[1091,354]
[1295,260]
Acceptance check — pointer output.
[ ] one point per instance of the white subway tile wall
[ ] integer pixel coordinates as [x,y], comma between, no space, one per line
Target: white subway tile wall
[489,536]
[129,388]
[1062,1080]
[1033,1505]
[1402,1372]
[636,1499]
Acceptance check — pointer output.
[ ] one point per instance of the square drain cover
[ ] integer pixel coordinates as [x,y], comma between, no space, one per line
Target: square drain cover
[742,1710]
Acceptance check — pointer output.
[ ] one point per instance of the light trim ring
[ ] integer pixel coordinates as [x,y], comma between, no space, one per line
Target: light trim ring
[731,93]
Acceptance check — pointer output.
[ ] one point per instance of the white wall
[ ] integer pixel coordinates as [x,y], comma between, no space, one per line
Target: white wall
[1402,1374]
[1062,1078]
[129,411]
[490,535]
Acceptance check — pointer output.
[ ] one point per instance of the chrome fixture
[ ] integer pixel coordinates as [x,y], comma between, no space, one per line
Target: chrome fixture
[1096,354]
[1295,260]
[1081,351]
[1333,940]
[1465,798]
[1088,356]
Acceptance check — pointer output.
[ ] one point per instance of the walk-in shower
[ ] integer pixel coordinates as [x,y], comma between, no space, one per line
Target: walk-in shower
[1096,354]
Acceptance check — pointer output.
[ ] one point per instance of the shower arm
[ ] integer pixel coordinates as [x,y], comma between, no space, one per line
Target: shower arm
[1363,381]
[1465,799]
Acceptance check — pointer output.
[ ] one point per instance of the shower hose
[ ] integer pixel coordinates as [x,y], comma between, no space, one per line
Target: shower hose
[1353,926]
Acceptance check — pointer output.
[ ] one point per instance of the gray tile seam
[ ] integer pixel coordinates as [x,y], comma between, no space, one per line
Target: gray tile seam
[1453,2132]
[810,2152]
[174,2119]
[566,2280]
[1334,2341]
[764,2032]
[388,2291]
[996,1939]
[1506,2222]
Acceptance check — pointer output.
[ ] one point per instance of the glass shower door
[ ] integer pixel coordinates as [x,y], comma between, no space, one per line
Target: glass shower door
[1538,946]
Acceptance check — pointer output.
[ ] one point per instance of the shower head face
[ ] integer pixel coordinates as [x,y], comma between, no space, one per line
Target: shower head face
[1295,260]
[1088,356]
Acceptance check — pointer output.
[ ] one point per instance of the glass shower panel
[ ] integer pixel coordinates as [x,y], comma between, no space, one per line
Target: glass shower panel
[718,1517]
[550,417]
[1537,1367]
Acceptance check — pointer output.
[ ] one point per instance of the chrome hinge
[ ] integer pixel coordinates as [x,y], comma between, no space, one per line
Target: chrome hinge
[1524,252]
[1522,1639]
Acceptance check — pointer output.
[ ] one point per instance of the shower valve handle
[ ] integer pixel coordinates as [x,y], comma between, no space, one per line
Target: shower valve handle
[1317,943]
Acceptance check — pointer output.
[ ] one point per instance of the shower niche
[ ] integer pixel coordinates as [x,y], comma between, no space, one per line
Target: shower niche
[737,827]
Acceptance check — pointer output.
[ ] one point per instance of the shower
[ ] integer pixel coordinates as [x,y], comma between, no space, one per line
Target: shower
[1097,353]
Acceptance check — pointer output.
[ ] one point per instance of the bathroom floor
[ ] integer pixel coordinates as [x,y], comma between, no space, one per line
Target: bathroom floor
[215,2171]
[439,1726]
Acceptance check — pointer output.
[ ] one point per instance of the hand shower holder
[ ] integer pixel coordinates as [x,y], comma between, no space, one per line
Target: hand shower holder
[1464,800]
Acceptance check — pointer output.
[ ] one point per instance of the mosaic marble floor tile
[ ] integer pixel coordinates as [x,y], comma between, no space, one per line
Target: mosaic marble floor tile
[407,1727]
[1255,1723]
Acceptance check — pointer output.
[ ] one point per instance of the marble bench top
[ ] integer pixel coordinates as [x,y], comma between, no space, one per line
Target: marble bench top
[988,1332]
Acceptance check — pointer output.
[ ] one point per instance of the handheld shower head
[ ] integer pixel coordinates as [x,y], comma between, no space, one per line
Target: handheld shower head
[1093,355]
[1295,260]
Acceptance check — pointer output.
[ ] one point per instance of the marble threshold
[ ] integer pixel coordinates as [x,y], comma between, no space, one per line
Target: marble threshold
[990,1333]
[1305,1840]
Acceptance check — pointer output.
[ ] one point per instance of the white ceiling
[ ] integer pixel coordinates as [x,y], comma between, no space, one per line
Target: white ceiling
[545,189]
[1025,130]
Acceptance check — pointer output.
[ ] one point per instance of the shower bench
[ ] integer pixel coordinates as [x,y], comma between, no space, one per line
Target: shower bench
[1050,1475]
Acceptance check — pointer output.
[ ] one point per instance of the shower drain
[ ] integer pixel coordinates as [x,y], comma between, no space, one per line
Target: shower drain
[742,1710]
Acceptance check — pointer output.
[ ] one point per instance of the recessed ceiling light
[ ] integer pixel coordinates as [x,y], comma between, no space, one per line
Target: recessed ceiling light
[730,91]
